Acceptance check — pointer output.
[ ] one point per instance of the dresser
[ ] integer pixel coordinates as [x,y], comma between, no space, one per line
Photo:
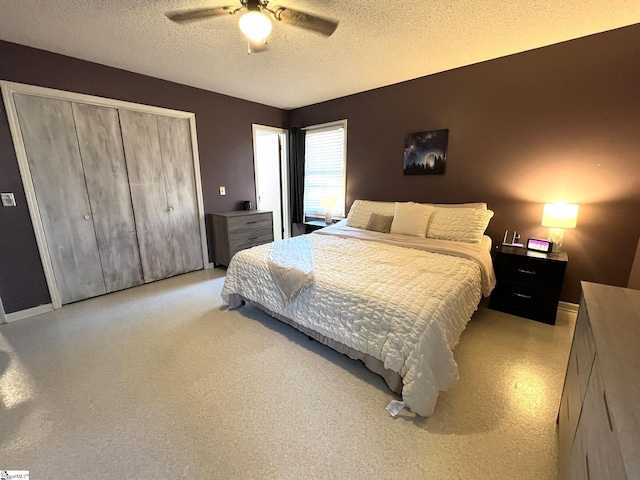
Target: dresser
[528,284]
[237,230]
[599,418]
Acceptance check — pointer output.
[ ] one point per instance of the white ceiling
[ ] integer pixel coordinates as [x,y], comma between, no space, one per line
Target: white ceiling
[376,43]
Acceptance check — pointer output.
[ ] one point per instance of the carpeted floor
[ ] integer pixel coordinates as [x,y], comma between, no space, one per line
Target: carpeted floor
[162,382]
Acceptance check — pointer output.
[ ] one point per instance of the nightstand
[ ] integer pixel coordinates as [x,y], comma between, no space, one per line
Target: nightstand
[528,284]
[313,225]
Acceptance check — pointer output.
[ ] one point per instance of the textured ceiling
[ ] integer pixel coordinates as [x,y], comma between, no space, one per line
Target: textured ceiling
[376,43]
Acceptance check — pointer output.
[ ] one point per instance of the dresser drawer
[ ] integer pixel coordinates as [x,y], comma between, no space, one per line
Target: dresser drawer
[250,238]
[249,222]
[585,348]
[530,271]
[603,455]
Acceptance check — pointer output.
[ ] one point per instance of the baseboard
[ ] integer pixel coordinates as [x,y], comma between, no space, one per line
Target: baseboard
[568,307]
[29,312]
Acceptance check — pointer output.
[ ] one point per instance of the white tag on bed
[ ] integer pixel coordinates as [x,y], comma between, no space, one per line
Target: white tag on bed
[394,407]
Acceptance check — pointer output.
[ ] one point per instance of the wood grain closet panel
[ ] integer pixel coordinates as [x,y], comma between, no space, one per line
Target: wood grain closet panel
[148,195]
[100,142]
[177,156]
[49,137]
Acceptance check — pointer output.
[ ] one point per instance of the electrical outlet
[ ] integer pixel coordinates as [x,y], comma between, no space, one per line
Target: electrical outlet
[223,191]
[8,200]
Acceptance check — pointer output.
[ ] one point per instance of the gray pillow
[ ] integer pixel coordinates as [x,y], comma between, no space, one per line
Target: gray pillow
[379,223]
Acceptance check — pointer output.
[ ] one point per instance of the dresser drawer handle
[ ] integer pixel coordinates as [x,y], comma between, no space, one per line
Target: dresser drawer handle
[528,272]
[606,407]
[255,221]
[522,295]
[252,238]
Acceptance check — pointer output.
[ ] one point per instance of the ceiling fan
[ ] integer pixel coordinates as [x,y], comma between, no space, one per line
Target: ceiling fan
[255,23]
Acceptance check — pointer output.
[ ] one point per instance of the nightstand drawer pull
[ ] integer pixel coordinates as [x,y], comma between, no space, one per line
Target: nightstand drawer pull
[522,295]
[528,272]
[255,221]
[252,238]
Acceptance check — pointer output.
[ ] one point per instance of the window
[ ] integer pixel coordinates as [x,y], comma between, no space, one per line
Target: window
[325,168]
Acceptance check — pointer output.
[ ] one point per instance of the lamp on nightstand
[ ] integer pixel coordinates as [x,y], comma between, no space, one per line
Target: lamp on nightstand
[328,202]
[558,216]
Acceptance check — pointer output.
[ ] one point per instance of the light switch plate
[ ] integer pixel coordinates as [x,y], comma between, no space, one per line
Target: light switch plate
[223,191]
[8,200]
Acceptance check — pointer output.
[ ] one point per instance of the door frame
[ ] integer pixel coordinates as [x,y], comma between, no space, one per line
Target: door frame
[284,174]
[9,88]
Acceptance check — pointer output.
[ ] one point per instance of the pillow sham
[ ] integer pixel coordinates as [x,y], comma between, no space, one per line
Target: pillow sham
[361,210]
[379,223]
[459,224]
[411,219]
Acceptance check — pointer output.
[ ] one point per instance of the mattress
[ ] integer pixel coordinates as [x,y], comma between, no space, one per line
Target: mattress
[403,301]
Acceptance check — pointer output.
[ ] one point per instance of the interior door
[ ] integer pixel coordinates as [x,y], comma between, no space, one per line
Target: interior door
[105,170]
[271,177]
[148,193]
[49,136]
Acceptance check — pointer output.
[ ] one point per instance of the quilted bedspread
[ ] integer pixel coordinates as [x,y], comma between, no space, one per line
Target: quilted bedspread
[404,306]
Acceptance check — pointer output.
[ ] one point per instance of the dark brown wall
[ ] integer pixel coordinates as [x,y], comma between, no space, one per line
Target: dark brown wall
[224,142]
[560,123]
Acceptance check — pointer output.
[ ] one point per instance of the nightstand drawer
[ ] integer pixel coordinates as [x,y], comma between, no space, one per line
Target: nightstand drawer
[530,271]
[525,297]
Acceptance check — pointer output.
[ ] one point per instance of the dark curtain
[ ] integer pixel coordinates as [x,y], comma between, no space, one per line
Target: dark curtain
[296,173]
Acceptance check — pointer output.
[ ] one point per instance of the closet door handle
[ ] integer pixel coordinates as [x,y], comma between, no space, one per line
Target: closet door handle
[87,217]
[170,209]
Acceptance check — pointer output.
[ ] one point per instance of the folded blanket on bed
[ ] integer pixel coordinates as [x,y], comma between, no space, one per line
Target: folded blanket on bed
[291,266]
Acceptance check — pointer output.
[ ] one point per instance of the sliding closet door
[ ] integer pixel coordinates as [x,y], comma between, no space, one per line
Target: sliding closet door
[49,137]
[148,194]
[100,141]
[177,159]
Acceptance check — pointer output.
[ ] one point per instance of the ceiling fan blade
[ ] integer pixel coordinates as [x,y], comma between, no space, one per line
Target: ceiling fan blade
[185,16]
[323,26]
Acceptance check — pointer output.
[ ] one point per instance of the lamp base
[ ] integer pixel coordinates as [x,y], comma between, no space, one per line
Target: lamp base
[327,217]
[556,235]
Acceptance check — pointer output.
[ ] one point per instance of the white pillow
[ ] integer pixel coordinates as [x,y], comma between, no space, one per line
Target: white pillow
[361,211]
[411,219]
[459,224]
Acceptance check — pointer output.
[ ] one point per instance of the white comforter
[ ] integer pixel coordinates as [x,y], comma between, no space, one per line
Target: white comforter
[404,306]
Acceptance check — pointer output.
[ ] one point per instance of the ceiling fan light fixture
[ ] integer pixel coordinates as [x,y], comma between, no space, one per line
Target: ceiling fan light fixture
[255,25]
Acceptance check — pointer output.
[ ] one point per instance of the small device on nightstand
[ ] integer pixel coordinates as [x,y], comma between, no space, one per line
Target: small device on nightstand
[511,238]
[544,246]
[528,283]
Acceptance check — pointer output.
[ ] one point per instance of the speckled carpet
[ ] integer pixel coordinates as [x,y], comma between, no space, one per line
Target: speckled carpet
[162,382]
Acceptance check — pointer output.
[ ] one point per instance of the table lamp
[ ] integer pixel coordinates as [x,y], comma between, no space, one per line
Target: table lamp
[328,202]
[558,216]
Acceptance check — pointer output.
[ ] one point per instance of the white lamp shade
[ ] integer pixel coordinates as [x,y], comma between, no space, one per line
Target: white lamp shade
[328,202]
[255,25]
[560,215]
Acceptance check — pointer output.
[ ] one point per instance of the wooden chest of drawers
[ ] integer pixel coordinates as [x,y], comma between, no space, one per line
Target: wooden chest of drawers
[235,231]
[598,420]
[527,284]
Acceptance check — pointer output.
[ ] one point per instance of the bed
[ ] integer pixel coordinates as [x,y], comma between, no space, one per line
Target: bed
[395,293]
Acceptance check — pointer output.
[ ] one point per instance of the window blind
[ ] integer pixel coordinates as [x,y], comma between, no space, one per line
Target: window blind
[325,168]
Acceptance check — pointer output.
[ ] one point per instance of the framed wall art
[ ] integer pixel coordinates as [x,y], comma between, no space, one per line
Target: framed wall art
[425,153]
